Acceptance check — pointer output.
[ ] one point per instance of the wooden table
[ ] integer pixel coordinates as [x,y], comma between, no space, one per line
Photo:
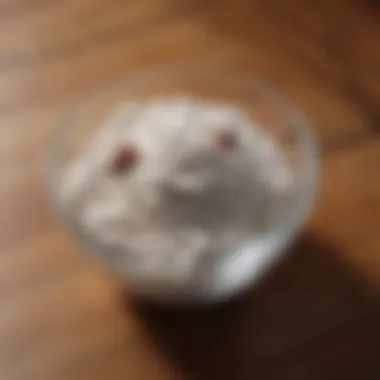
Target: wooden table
[316,318]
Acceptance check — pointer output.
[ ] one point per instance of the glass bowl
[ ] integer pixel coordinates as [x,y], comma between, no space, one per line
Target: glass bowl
[279,120]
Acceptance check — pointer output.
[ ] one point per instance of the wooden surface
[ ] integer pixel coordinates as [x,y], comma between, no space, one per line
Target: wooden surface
[317,317]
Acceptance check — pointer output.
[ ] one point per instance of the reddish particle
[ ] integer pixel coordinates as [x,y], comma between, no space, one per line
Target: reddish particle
[125,158]
[226,140]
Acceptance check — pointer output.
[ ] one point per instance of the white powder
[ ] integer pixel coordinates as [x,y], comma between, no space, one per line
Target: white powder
[201,183]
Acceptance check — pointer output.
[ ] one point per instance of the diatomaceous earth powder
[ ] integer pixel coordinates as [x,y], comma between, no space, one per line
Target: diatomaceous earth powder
[173,189]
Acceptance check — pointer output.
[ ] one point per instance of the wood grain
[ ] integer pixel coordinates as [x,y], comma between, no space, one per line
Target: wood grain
[316,317]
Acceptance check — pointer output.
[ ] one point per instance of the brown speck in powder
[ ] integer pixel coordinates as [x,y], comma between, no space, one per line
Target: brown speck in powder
[226,140]
[124,159]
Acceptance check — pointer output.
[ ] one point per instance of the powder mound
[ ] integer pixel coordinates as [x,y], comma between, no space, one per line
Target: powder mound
[173,185]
